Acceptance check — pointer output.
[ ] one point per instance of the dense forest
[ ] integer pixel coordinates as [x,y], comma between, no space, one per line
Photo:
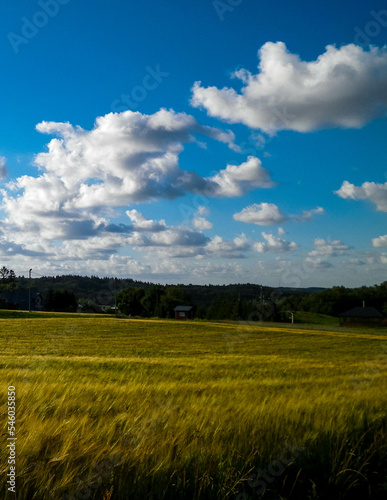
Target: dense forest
[137,298]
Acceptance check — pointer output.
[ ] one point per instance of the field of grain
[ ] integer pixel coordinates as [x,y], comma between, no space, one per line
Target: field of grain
[109,408]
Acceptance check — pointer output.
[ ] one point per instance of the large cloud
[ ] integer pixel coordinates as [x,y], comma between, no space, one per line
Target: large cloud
[86,176]
[127,158]
[344,87]
[376,193]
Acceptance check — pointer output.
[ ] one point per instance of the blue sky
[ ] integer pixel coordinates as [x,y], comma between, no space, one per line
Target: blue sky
[196,142]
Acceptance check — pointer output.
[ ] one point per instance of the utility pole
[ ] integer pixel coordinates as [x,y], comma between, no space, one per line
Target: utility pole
[29,290]
[115,296]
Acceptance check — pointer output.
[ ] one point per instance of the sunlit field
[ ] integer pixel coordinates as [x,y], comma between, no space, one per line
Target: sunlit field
[111,408]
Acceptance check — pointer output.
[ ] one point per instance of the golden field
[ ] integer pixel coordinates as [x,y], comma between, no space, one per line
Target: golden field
[111,408]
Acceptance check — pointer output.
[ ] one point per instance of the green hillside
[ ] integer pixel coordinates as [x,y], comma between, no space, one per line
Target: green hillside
[311,318]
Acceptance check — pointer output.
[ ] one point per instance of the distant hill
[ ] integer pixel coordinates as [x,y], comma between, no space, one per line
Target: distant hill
[102,290]
[305,290]
[216,301]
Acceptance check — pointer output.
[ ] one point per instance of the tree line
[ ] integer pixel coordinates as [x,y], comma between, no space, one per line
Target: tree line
[269,304]
[339,299]
[7,278]
[239,301]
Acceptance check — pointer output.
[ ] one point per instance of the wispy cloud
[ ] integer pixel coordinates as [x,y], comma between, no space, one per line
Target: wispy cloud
[307,215]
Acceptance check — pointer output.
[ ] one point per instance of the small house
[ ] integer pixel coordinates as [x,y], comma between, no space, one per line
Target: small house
[184,312]
[363,316]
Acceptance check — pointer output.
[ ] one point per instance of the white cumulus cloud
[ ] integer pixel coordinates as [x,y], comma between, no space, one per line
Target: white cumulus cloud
[237,180]
[201,223]
[274,244]
[86,176]
[371,191]
[126,158]
[263,214]
[344,87]
[141,223]
[380,242]
[269,214]
[199,220]
[219,247]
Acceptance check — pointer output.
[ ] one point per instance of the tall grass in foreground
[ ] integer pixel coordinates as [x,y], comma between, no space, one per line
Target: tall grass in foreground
[120,409]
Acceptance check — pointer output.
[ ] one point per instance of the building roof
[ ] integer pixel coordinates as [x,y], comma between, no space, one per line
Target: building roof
[362,312]
[183,308]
